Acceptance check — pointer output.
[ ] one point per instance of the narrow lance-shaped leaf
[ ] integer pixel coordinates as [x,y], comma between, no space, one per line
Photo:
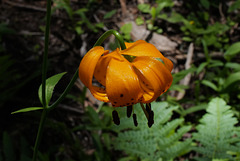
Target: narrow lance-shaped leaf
[50,84]
[28,109]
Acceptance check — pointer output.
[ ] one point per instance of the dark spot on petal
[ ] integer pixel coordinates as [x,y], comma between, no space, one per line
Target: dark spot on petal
[121,95]
[132,99]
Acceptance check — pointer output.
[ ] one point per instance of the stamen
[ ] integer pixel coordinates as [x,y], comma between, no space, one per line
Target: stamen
[148,108]
[115,116]
[135,120]
[144,110]
[150,114]
[151,119]
[129,110]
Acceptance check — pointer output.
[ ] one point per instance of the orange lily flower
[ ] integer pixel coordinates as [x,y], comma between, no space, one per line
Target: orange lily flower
[125,82]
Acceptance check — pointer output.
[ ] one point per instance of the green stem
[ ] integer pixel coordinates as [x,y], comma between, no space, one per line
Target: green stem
[39,134]
[44,73]
[75,76]
[45,55]
[107,34]
[118,37]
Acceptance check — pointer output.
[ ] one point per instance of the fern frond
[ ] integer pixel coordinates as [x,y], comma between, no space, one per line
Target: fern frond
[216,131]
[161,141]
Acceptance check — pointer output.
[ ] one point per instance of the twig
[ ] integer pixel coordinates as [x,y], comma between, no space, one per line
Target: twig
[26,6]
[124,7]
[187,78]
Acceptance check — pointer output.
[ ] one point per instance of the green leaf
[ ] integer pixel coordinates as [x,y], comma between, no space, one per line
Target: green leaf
[210,84]
[232,51]
[139,21]
[205,3]
[50,84]
[201,67]
[145,8]
[231,80]
[162,140]
[188,39]
[235,66]
[216,131]
[79,30]
[235,5]
[27,109]
[109,14]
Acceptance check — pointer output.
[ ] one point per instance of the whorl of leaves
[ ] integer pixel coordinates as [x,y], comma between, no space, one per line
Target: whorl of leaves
[217,135]
[160,142]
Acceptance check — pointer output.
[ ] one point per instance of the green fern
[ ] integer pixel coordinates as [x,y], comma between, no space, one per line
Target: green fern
[217,135]
[160,142]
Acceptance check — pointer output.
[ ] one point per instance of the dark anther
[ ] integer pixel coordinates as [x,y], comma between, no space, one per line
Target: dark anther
[135,120]
[148,108]
[129,110]
[115,116]
[151,119]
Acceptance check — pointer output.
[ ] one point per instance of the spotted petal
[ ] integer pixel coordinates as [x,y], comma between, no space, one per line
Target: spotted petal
[102,65]
[122,84]
[154,77]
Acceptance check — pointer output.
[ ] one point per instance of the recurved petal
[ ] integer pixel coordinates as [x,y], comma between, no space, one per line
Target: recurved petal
[102,64]
[141,48]
[86,70]
[154,77]
[122,84]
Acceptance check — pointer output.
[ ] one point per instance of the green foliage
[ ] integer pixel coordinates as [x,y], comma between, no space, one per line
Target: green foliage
[110,14]
[9,151]
[154,12]
[50,84]
[161,141]
[217,133]
[126,31]
[232,51]
[78,25]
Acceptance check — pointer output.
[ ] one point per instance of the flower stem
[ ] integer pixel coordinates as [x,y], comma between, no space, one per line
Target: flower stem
[107,34]
[39,134]
[45,55]
[44,73]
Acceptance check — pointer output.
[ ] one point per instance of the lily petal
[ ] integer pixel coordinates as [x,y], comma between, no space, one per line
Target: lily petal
[102,65]
[86,70]
[122,84]
[141,48]
[154,77]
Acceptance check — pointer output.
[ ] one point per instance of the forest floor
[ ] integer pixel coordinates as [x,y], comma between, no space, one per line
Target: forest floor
[71,36]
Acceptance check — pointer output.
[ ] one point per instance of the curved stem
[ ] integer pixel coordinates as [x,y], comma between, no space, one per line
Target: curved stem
[107,34]
[45,55]
[75,76]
